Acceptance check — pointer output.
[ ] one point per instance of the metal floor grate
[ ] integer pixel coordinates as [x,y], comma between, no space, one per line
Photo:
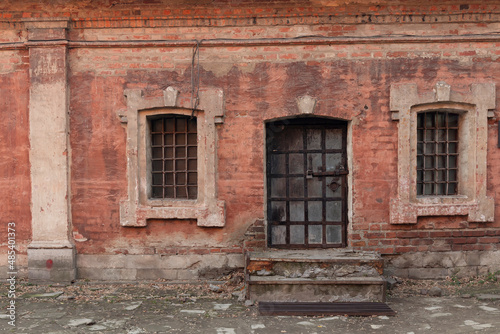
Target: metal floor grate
[314,309]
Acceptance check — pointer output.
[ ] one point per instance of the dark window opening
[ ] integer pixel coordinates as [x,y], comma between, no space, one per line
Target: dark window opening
[174,157]
[437,153]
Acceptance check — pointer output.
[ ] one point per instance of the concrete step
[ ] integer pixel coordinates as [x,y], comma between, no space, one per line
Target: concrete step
[315,276]
[315,263]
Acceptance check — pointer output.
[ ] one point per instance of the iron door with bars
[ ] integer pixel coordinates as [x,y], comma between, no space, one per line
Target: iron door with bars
[306,183]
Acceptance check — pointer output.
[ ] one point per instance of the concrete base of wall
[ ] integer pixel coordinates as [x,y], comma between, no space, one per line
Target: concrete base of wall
[432,265]
[429,265]
[51,264]
[19,272]
[150,267]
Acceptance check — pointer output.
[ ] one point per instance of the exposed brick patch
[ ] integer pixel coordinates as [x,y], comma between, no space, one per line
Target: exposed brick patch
[489,240]
[255,236]
[440,234]
[405,249]
[480,233]
[397,54]
[198,251]
[408,241]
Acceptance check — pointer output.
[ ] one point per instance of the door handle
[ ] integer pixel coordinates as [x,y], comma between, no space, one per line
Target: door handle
[334,185]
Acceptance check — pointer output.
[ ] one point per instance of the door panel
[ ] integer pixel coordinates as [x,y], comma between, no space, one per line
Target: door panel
[306,183]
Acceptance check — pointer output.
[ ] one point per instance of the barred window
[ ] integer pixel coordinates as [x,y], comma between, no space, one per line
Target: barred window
[437,153]
[174,157]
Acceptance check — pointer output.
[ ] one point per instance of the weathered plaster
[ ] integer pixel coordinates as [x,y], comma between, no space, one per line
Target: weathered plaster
[51,254]
[139,207]
[149,267]
[432,265]
[472,199]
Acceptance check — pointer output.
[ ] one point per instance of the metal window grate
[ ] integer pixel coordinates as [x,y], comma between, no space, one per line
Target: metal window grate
[174,157]
[437,153]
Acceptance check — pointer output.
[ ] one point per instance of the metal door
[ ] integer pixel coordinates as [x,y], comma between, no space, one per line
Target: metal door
[306,183]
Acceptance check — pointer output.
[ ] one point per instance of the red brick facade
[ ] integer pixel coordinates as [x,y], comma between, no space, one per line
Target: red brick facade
[263,55]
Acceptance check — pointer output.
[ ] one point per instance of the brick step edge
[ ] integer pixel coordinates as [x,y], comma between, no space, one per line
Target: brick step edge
[321,280]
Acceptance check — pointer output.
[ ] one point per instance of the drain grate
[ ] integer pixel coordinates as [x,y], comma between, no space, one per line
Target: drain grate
[312,309]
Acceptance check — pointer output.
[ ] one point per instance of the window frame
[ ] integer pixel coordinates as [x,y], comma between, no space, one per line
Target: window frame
[472,200]
[139,206]
[435,156]
[175,171]
[145,157]
[465,170]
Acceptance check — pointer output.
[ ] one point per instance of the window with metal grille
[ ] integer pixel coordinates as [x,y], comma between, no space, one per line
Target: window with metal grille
[437,153]
[174,157]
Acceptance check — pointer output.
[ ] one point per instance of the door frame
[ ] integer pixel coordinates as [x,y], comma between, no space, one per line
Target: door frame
[347,209]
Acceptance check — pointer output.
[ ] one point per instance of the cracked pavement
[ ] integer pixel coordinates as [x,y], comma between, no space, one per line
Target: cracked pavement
[180,308]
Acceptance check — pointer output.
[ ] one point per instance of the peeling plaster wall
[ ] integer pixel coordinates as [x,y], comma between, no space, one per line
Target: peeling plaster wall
[350,80]
[15,185]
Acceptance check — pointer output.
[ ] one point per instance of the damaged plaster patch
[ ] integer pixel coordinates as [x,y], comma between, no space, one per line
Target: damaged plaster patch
[223,69]
[194,264]
[78,237]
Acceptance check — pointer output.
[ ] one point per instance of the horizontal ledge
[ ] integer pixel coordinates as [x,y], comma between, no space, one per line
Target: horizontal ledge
[315,256]
[305,40]
[331,260]
[280,280]
[63,244]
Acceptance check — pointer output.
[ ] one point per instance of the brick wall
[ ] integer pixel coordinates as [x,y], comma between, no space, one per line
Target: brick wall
[15,186]
[350,74]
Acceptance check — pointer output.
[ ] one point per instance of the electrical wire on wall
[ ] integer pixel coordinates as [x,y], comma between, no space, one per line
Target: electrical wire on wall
[195,77]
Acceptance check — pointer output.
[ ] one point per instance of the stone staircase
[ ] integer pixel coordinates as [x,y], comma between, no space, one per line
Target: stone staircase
[314,276]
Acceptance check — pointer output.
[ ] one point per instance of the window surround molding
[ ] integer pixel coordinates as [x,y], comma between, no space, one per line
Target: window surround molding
[474,107]
[139,207]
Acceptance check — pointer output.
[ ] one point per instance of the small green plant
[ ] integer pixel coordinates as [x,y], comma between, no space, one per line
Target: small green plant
[454,280]
[492,277]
